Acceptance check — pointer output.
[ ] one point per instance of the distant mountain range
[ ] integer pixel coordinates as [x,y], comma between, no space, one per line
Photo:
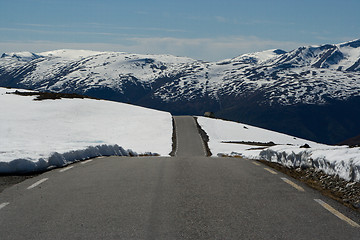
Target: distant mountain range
[311,92]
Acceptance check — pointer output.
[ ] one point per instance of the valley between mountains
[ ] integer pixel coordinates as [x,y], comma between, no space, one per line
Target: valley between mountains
[312,92]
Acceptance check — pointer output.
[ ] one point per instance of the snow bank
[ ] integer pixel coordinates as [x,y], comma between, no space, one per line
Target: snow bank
[23,165]
[334,160]
[36,135]
[342,161]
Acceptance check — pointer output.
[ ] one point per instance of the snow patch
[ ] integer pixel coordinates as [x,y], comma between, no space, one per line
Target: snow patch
[37,135]
[288,150]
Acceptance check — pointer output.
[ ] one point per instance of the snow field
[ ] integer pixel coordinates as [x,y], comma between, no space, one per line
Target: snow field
[334,160]
[37,135]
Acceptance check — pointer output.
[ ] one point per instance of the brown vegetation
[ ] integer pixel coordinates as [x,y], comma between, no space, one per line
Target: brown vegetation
[50,95]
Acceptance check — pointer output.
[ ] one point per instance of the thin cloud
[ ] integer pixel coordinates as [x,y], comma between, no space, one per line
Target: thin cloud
[221,19]
[211,49]
[239,21]
[116,27]
[256,22]
[141,12]
[39,25]
[55,32]
[35,27]
[208,49]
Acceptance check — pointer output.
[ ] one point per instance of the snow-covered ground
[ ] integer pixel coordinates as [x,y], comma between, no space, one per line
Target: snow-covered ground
[335,160]
[36,135]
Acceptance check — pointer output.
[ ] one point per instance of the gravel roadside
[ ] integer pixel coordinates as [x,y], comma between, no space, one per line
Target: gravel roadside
[8,181]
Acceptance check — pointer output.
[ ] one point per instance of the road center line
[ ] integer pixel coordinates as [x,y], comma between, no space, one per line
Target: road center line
[87,161]
[270,171]
[337,213]
[37,183]
[293,184]
[4,205]
[256,163]
[65,169]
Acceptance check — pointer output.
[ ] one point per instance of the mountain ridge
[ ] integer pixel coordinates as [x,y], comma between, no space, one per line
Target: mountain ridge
[245,88]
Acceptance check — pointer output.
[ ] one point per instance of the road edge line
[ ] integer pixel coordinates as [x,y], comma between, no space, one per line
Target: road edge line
[271,171]
[294,185]
[37,183]
[65,169]
[337,213]
[2,205]
[87,161]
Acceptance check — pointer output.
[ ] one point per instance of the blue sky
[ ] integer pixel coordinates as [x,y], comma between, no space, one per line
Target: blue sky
[202,29]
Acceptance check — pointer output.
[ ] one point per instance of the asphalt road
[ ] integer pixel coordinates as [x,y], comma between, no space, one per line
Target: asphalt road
[188,140]
[185,197]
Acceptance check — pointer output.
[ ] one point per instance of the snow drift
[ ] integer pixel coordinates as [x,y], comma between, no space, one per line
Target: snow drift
[237,139]
[38,135]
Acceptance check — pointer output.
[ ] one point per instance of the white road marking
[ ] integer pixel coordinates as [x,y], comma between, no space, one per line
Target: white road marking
[293,184]
[270,171]
[337,213]
[37,183]
[203,145]
[65,169]
[87,161]
[4,205]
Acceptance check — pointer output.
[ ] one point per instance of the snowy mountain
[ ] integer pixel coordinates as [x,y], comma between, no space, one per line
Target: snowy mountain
[311,92]
[21,56]
[86,72]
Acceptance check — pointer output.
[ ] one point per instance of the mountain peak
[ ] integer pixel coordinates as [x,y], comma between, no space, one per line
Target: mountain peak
[259,57]
[70,53]
[279,51]
[21,56]
[354,44]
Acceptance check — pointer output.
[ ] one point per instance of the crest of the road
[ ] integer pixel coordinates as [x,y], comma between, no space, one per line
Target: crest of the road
[188,141]
[188,196]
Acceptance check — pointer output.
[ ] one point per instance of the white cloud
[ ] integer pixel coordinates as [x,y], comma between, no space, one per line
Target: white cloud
[209,49]
[221,19]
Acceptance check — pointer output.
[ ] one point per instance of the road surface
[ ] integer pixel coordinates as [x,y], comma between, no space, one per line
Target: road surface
[189,142]
[188,196]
